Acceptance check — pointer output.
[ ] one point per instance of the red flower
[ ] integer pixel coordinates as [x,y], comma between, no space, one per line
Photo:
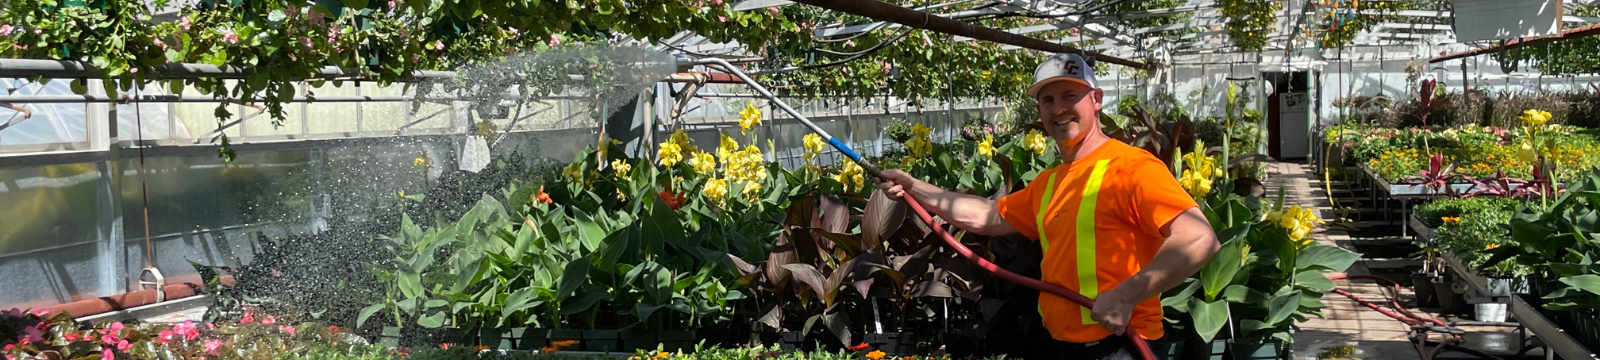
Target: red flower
[673,200]
[541,196]
[859,347]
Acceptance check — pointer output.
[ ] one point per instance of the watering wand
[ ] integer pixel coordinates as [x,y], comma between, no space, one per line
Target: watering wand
[1138,342]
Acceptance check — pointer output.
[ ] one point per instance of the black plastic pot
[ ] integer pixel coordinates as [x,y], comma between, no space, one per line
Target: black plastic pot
[1262,351]
[1174,350]
[498,338]
[1214,350]
[791,340]
[564,335]
[1449,301]
[1422,285]
[531,338]
[894,344]
[677,340]
[638,340]
[601,340]
[719,337]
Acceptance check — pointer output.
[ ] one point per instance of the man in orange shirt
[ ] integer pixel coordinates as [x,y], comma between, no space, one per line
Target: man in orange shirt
[1114,224]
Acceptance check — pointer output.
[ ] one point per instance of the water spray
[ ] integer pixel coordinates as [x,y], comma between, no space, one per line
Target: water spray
[1138,342]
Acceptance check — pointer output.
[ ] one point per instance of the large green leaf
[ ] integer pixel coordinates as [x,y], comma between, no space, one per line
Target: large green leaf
[410,284]
[517,301]
[1282,306]
[1180,300]
[1209,317]
[1590,282]
[432,321]
[662,227]
[584,299]
[574,276]
[589,232]
[1219,272]
[1323,256]
[367,312]
[1313,279]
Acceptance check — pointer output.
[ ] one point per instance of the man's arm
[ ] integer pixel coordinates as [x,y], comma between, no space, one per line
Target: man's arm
[971,213]
[1190,244]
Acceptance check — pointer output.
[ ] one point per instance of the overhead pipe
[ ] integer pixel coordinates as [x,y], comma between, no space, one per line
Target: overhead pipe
[1569,34]
[28,68]
[882,11]
[77,99]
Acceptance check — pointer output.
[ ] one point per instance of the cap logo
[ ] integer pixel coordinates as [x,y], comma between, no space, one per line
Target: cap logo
[1071,68]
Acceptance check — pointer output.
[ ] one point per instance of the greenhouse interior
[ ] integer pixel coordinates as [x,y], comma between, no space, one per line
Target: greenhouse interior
[799,179]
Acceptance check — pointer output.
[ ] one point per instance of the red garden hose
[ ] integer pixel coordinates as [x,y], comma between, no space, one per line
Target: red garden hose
[1138,342]
[1418,323]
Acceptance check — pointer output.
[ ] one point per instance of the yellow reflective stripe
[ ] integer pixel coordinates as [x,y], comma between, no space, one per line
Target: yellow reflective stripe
[1088,282]
[1044,205]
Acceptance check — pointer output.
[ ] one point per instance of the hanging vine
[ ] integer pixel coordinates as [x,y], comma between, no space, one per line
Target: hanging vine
[1249,22]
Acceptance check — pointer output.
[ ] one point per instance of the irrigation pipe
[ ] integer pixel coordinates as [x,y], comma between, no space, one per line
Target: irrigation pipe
[1138,342]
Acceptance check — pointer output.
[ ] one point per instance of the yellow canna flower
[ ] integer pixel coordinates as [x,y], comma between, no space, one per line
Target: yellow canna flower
[986,148]
[1534,117]
[1035,142]
[622,168]
[752,190]
[813,145]
[727,147]
[851,176]
[715,189]
[703,162]
[1526,152]
[1195,184]
[669,154]
[750,117]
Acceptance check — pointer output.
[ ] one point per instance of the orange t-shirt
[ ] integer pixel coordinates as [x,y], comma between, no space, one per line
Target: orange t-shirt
[1134,195]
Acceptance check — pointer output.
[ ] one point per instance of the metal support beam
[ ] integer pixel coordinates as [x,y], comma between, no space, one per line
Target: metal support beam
[1585,31]
[892,13]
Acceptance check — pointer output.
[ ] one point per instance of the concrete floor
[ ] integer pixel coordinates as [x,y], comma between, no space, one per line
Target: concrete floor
[1350,330]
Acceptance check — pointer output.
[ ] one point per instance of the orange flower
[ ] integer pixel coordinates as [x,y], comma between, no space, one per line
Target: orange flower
[673,200]
[1491,246]
[1451,220]
[446,345]
[876,355]
[661,355]
[483,347]
[547,350]
[859,347]
[541,196]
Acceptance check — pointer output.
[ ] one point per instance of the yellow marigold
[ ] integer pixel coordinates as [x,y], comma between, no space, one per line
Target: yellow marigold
[703,162]
[1035,141]
[715,189]
[813,144]
[670,154]
[1534,117]
[661,355]
[1195,184]
[1491,246]
[750,117]
[876,354]
[986,148]
[851,175]
[622,167]
[1451,220]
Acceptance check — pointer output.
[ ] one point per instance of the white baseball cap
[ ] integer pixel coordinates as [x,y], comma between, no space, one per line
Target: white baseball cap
[1062,67]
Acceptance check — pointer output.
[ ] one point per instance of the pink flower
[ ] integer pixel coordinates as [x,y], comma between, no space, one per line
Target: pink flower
[849,43]
[11,357]
[230,37]
[333,329]
[515,32]
[124,346]
[316,17]
[773,10]
[41,313]
[38,31]
[214,347]
[248,318]
[109,339]
[165,337]
[269,320]
[438,45]
[718,2]
[184,22]
[416,58]
[117,327]
[554,40]
[188,330]
[292,11]
[307,41]
[391,4]
[287,329]
[721,18]
[158,42]
[33,334]
[72,337]
[5,30]
[105,353]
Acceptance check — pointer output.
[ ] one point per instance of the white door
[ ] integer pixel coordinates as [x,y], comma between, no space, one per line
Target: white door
[1293,126]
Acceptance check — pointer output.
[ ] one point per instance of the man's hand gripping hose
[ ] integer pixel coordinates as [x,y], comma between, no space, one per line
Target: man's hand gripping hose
[1138,342]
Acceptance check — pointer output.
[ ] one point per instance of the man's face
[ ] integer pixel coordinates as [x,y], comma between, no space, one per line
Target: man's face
[1069,110]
